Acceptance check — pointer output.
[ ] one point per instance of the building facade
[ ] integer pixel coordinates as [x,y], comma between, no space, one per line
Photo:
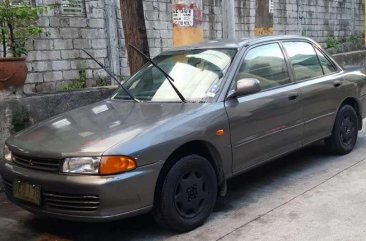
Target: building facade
[56,60]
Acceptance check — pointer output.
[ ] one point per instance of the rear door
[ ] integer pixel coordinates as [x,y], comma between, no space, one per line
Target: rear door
[266,124]
[320,87]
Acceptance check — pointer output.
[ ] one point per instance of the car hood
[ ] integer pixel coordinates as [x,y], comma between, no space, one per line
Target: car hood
[93,129]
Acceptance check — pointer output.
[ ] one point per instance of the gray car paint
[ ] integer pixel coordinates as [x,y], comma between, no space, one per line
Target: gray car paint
[267,123]
[257,128]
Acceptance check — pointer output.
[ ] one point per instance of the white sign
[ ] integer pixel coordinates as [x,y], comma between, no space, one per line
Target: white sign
[271,6]
[183,17]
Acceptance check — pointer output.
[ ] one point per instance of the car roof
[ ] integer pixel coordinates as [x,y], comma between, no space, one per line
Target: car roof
[238,43]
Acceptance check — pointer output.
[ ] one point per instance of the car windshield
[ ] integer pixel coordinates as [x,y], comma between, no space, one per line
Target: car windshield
[197,74]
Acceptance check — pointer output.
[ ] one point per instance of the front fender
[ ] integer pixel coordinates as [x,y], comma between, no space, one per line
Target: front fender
[157,144]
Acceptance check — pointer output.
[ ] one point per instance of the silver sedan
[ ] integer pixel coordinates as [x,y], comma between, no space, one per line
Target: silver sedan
[180,127]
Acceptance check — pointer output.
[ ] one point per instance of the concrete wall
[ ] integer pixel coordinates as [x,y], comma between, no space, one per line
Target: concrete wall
[158,25]
[56,60]
[158,20]
[356,58]
[316,19]
[245,18]
[212,19]
[319,19]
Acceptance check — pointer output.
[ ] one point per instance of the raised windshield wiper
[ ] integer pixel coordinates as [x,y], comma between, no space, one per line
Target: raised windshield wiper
[112,75]
[170,79]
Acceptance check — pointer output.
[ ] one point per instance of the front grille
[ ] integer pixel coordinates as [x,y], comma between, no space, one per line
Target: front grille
[68,202]
[42,164]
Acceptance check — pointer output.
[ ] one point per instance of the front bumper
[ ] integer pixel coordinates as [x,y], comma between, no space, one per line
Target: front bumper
[86,198]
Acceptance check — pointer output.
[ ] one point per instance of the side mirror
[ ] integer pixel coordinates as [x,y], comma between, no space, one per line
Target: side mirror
[245,87]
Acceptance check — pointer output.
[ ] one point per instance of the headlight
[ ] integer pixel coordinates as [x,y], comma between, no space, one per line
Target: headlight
[106,165]
[81,165]
[7,154]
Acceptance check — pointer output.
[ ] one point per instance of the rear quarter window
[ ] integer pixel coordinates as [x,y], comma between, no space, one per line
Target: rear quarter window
[328,67]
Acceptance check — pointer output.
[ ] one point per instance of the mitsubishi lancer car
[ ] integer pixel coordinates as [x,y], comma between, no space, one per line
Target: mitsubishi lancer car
[171,136]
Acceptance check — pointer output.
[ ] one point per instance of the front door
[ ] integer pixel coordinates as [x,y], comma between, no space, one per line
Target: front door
[269,123]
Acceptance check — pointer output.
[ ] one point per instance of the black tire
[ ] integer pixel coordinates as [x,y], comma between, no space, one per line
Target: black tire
[186,196]
[345,131]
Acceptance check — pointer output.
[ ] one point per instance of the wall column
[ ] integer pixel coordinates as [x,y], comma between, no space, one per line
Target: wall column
[229,19]
[112,33]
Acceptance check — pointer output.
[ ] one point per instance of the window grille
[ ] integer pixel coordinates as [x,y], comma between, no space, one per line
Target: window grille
[18,2]
[73,7]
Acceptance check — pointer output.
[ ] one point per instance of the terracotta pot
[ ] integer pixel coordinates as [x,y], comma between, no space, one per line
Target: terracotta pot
[13,72]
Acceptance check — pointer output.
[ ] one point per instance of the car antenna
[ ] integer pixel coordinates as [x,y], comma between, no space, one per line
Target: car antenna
[112,75]
[170,79]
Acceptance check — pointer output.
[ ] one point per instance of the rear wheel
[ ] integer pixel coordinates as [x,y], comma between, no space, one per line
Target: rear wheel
[186,196]
[345,131]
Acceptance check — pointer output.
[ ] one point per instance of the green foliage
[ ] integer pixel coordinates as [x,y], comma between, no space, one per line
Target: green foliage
[79,83]
[75,86]
[102,81]
[355,39]
[332,42]
[18,24]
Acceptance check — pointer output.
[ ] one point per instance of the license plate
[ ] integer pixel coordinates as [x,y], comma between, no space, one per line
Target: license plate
[27,192]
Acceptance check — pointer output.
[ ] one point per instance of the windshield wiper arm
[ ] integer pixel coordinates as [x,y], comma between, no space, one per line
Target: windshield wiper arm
[112,75]
[169,78]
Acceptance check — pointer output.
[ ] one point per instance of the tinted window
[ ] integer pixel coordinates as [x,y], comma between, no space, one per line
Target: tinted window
[267,64]
[303,59]
[326,64]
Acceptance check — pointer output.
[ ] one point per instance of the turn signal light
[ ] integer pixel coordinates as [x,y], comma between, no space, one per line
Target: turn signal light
[220,132]
[116,164]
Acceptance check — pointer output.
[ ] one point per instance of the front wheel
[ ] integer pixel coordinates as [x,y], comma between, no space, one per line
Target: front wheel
[345,131]
[187,195]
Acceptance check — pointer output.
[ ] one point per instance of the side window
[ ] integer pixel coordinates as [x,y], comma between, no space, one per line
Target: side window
[326,64]
[267,64]
[304,60]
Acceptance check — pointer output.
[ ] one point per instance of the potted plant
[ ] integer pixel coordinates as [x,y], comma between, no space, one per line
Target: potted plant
[18,24]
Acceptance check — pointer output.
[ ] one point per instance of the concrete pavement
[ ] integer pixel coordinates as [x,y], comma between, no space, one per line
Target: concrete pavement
[308,195]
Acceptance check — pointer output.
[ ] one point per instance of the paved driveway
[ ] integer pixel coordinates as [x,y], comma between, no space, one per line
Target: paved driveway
[308,195]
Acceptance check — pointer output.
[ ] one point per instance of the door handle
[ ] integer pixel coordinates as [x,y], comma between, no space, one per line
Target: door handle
[293,96]
[337,83]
